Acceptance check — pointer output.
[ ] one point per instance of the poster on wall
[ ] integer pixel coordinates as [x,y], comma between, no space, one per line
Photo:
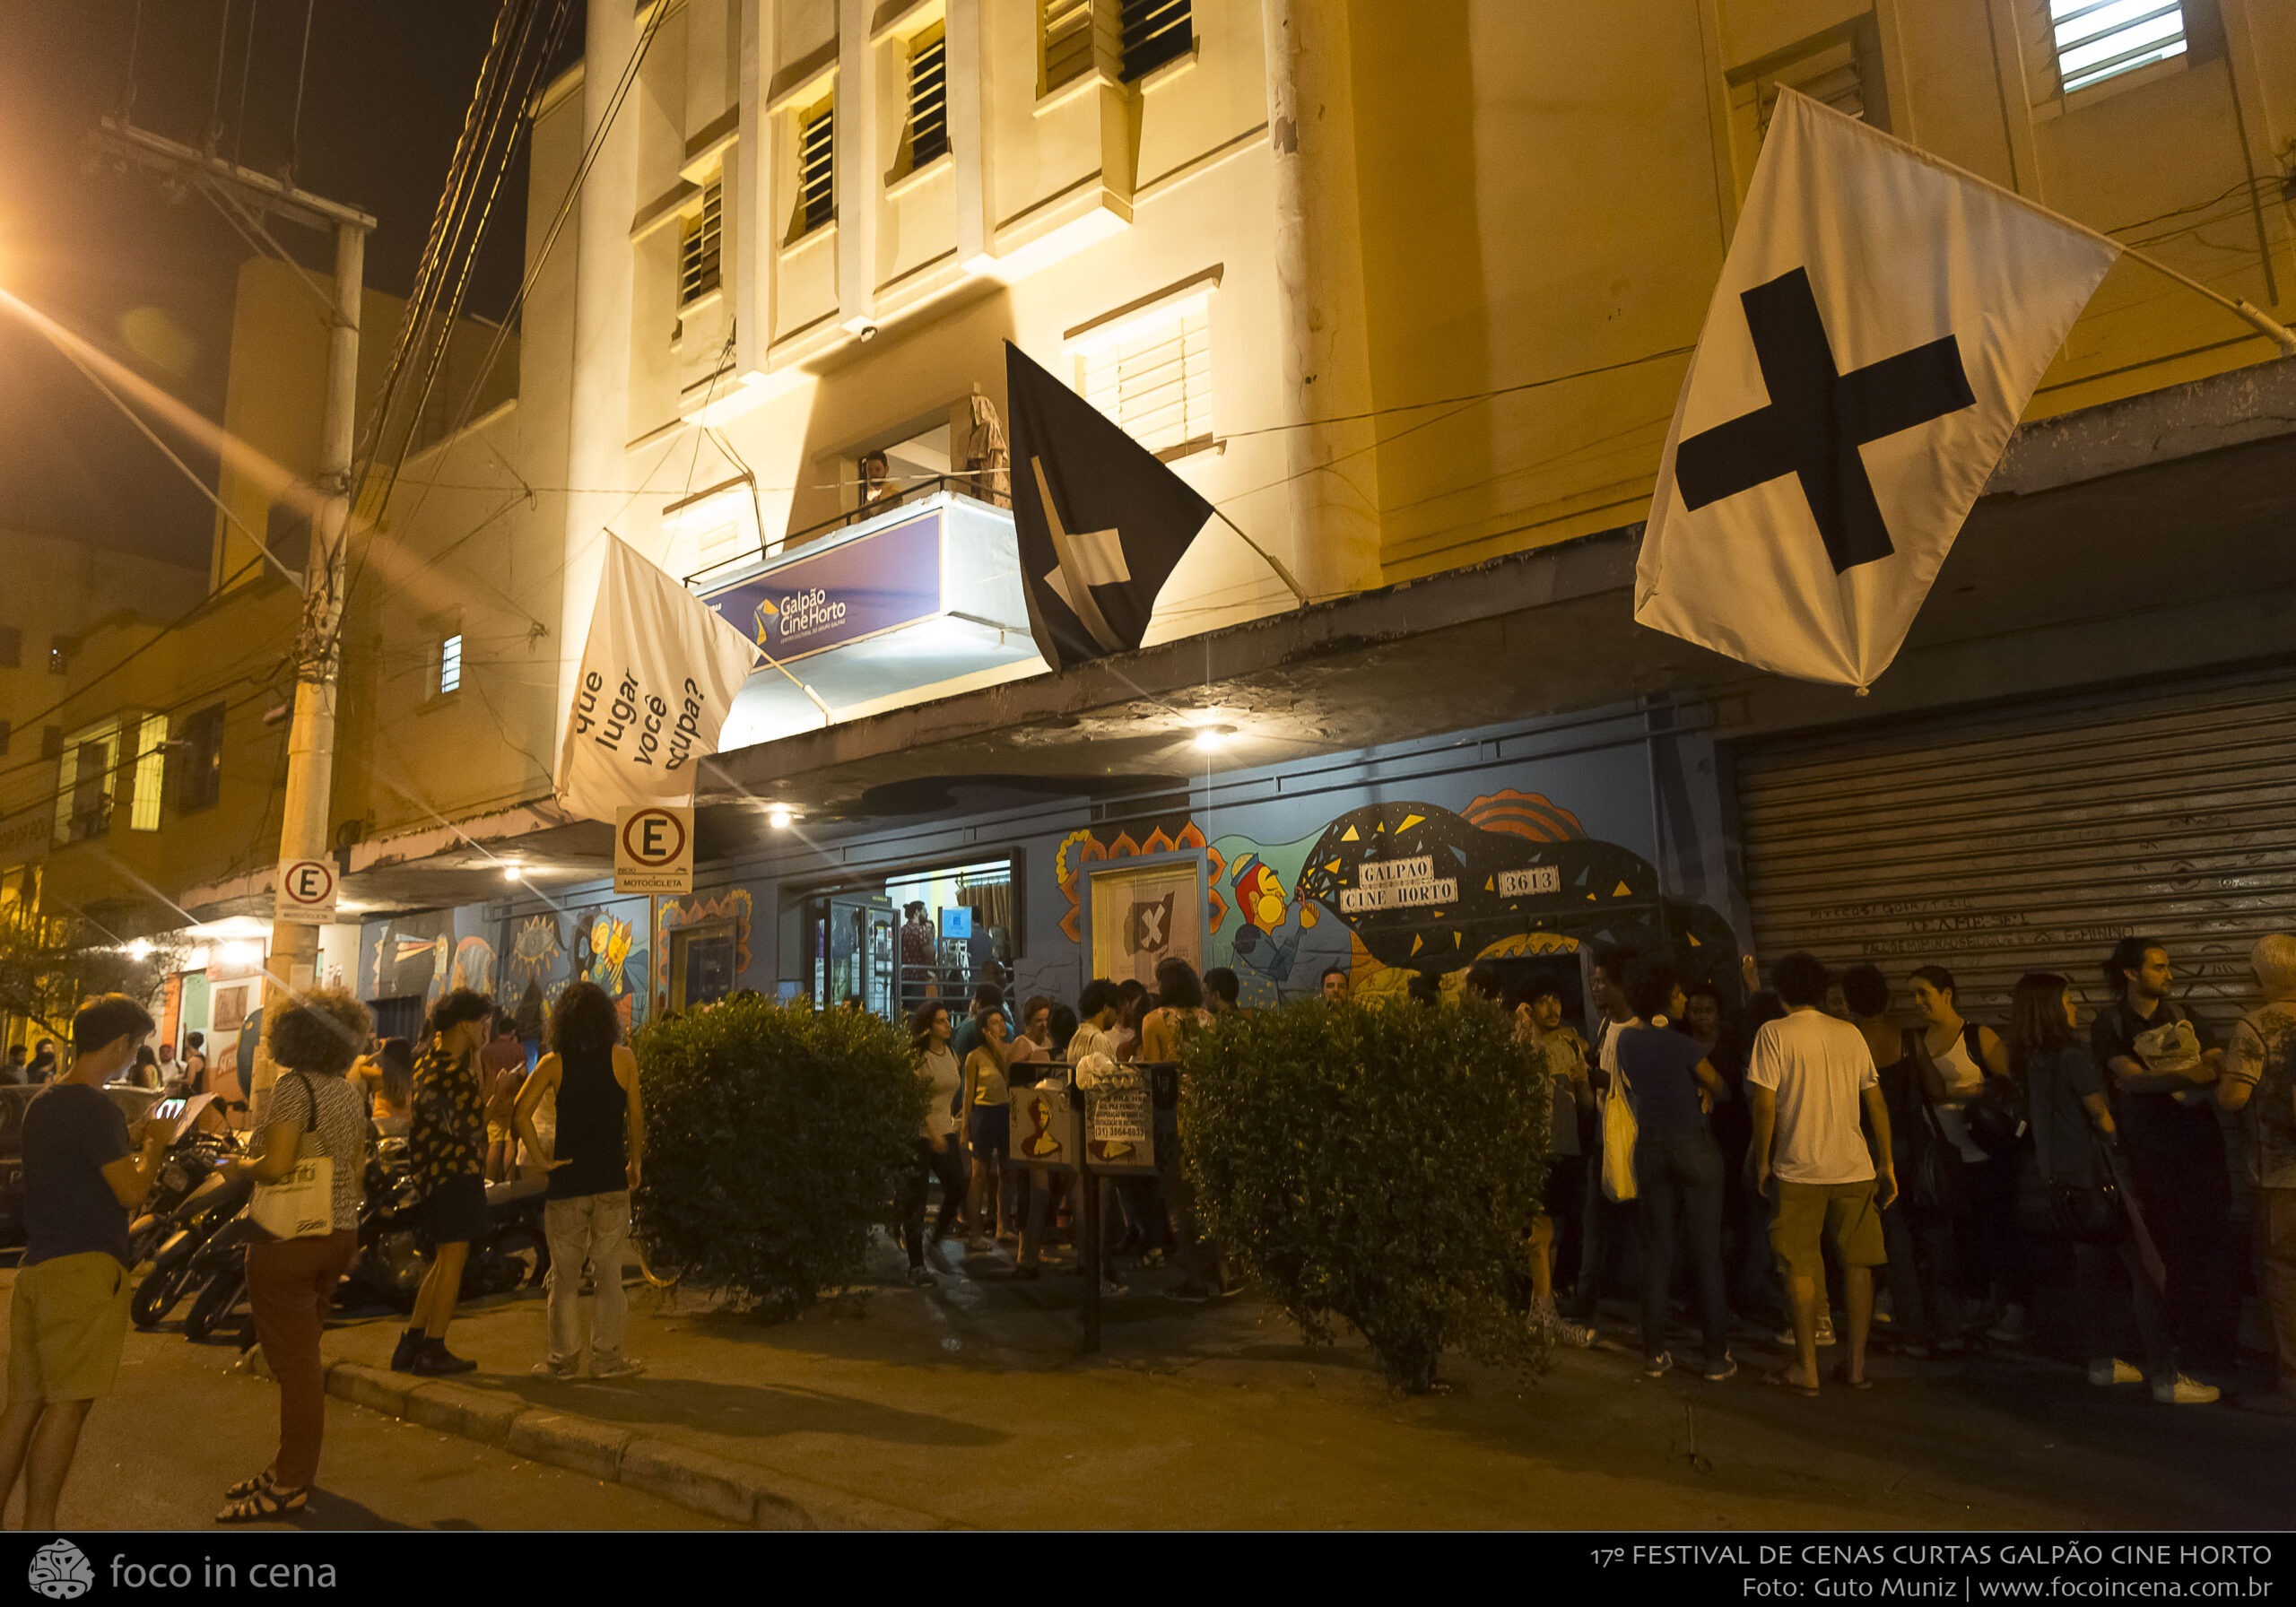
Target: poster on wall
[1143,916]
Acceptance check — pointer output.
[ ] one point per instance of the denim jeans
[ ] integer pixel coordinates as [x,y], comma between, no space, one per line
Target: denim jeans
[591,1227]
[930,1163]
[2093,1271]
[1924,1277]
[1680,1177]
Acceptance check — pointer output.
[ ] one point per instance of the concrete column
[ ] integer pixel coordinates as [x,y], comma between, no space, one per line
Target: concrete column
[969,131]
[860,164]
[750,168]
[597,426]
[1326,371]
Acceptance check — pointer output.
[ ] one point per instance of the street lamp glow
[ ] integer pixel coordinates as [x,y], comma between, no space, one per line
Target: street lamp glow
[1210,738]
[514,872]
[140,949]
[778,817]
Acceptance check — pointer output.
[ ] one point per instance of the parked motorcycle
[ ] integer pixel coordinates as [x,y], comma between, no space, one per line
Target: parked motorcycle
[515,1253]
[186,1171]
[389,1266]
[213,1204]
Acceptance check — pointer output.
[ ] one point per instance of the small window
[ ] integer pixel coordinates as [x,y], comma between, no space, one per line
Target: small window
[1154,32]
[1832,75]
[12,646]
[817,170]
[7,732]
[51,741]
[1066,27]
[1153,376]
[84,782]
[148,780]
[450,664]
[59,655]
[2097,39]
[698,250]
[199,760]
[928,97]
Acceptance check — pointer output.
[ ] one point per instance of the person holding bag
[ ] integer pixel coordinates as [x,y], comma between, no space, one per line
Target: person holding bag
[2074,1134]
[306,1174]
[1978,1105]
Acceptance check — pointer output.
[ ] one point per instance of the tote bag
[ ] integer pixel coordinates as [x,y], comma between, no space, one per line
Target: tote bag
[1620,1130]
[301,1204]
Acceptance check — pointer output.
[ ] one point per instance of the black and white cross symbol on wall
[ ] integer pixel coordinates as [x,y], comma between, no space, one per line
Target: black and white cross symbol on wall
[1817,418]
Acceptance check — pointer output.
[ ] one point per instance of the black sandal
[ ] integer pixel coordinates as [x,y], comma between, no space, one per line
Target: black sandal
[264,1504]
[248,1487]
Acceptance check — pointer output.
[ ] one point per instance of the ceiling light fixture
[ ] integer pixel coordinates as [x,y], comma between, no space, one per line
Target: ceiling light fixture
[778,817]
[512,870]
[1210,737]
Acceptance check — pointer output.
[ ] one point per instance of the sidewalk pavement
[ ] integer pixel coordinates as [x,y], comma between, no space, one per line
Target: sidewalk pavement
[970,1405]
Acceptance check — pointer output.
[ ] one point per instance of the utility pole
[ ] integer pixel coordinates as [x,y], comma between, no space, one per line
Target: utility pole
[319,652]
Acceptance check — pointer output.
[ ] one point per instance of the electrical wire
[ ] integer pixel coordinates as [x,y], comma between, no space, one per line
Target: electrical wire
[302,75]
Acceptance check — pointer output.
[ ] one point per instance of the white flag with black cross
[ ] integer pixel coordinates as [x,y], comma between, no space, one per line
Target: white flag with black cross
[1881,323]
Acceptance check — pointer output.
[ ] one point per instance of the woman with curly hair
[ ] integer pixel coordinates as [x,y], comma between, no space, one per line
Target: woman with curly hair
[314,1115]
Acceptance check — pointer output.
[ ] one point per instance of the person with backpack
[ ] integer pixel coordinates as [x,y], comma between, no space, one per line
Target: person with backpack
[2163,1066]
[2073,1137]
[1963,1071]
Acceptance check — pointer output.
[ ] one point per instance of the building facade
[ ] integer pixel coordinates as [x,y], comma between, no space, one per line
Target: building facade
[1407,292]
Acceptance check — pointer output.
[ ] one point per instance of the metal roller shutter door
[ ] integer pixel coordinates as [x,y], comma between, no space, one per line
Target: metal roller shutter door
[2031,838]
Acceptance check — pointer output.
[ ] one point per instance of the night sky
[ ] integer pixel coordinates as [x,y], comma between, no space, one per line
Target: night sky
[151,281]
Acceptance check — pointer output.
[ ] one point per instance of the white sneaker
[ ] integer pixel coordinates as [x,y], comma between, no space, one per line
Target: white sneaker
[2012,1329]
[2181,1390]
[2104,1375]
[561,1370]
[616,1367]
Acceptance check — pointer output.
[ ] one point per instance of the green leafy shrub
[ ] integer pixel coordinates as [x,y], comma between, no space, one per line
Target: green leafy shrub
[1377,1165]
[774,1135]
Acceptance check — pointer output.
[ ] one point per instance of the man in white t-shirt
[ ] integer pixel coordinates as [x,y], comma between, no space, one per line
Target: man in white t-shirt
[1809,1078]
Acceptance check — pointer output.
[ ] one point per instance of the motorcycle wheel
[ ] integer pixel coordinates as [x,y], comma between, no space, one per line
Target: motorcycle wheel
[157,1295]
[215,1303]
[514,1259]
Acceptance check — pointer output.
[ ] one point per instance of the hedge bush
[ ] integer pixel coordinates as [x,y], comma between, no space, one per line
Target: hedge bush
[774,1137]
[1375,1165]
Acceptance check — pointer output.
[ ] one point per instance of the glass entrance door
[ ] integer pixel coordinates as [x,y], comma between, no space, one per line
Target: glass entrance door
[852,954]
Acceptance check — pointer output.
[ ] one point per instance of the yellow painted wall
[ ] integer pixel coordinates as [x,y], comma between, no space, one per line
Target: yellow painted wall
[1548,187]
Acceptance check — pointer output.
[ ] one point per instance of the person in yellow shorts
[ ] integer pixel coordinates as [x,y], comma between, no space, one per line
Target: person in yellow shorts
[67,1315]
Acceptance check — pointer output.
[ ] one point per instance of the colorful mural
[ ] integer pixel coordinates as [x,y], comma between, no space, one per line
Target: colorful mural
[423,956]
[702,909]
[598,943]
[1392,889]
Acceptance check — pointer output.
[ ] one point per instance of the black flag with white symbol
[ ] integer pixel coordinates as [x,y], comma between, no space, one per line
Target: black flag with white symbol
[1102,524]
[1879,327]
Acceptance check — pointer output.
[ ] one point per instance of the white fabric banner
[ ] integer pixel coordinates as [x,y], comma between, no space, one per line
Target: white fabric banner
[1880,325]
[659,673]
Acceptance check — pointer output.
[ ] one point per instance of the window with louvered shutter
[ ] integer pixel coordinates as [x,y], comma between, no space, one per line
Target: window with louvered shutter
[1154,377]
[698,249]
[817,170]
[1154,32]
[2097,39]
[928,97]
[1067,32]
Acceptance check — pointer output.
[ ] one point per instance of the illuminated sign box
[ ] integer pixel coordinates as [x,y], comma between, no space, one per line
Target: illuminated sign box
[922,601]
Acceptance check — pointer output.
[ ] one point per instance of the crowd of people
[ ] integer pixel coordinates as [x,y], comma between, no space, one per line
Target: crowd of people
[337,1096]
[974,1053]
[1820,1170]
[1841,1163]
[1820,1154]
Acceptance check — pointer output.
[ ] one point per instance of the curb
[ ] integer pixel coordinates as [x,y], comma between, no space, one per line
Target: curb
[736,1492]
